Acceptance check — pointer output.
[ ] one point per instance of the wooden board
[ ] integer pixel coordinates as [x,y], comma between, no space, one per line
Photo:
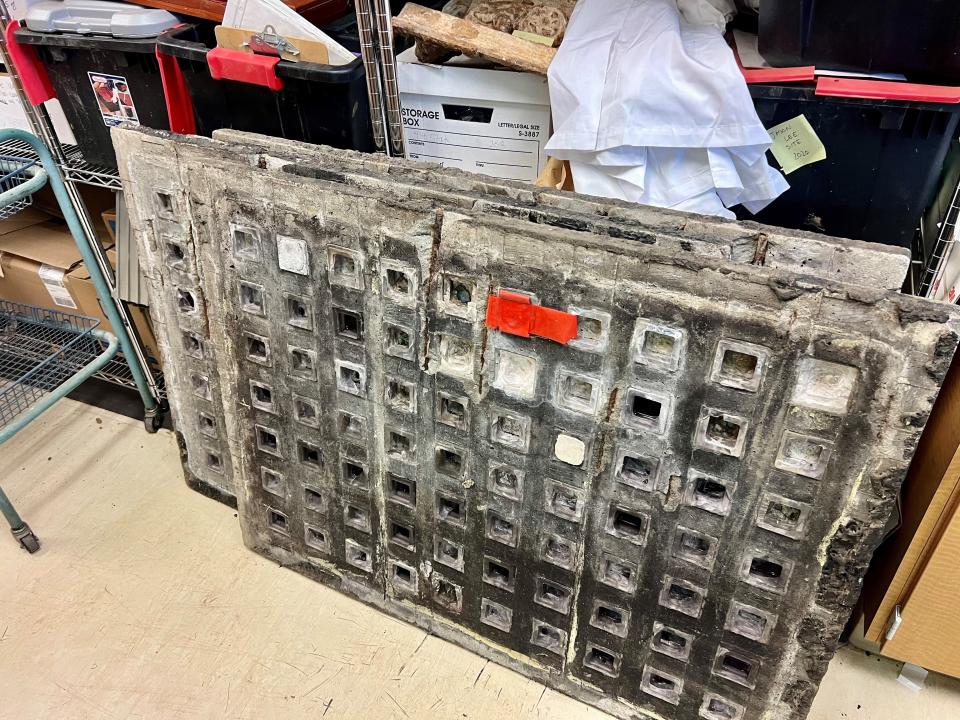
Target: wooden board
[310,50]
[930,633]
[472,39]
[313,10]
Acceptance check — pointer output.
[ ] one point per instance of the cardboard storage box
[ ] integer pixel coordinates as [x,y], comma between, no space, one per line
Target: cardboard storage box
[494,122]
[41,265]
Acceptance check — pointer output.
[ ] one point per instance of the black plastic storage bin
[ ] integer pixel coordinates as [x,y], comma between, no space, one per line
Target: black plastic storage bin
[320,104]
[73,63]
[918,38]
[884,158]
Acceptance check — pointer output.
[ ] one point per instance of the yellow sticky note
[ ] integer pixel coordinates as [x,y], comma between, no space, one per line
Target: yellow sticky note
[533,37]
[795,144]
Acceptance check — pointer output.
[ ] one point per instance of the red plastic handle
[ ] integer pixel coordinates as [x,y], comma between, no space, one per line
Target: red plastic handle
[244,67]
[887,90]
[32,72]
[176,95]
[779,75]
[514,314]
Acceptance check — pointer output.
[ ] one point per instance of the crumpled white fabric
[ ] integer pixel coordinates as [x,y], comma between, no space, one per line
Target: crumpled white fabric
[650,106]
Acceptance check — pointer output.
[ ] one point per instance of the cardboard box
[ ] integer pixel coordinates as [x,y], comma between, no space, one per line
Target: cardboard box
[41,265]
[494,122]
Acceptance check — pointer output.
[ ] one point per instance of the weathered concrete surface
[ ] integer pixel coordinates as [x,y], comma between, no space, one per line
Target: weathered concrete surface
[669,517]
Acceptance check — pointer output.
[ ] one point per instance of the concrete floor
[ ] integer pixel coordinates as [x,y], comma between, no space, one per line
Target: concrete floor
[143,603]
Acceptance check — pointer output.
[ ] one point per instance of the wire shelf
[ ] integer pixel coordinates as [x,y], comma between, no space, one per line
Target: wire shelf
[40,349]
[15,170]
[75,168]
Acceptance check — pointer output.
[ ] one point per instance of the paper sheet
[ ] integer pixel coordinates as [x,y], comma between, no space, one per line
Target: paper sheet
[257,14]
[795,144]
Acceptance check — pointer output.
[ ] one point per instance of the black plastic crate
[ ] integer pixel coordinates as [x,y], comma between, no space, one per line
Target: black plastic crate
[884,158]
[320,104]
[73,63]
[918,38]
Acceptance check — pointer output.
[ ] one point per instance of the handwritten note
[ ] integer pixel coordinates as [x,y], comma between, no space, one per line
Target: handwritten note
[795,144]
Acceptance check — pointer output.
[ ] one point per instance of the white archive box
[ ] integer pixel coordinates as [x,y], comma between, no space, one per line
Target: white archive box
[479,119]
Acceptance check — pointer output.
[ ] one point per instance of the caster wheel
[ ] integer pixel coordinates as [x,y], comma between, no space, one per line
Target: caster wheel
[28,541]
[153,422]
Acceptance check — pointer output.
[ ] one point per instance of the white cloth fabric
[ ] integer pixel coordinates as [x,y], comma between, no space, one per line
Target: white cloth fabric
[651,108]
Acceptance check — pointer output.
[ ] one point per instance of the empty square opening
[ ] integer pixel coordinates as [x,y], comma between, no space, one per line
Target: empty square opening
[558,551]
[450,510]
[501,529]
[453,412]
[737,666]
[262,395]
[399,282]
[399,395]
[402,490]
[306,411]
[712,494]
[601,660]
[353,425]
[767,569]
[257,348]
[350,380]
[403,574]
[589,329]
[316,538]
[670,643]
[277,520]
[664,684]
[399,341]
[497,574]
[267,440]
[301,362]
[186,302]
[553,596]
[610,619]
[208,424]
[192,344]
[723,432]
[201,385]
[175,253]
[214,462]
[354,473]
[401,534]
[681,597]
[449,462]
[637,471]
[447,594]
[245,244]
[449,553]
[342,264]
[495,614]
[309,454]
[721,709]
[738,366]
[251,299]
[349,324]
[298,313]
[548,637]
[626,524]
[509,430]
[563,502]
[505,482]
[164,203]
[357,517]
[399,444]
[646,408]
[312,499]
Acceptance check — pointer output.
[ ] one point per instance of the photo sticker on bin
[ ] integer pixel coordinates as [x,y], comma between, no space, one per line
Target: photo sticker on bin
[114,99]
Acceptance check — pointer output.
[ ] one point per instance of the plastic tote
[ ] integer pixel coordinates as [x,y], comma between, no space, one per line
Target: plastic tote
[100,58]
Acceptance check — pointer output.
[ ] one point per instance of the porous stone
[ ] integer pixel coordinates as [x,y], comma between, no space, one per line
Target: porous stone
[668,517]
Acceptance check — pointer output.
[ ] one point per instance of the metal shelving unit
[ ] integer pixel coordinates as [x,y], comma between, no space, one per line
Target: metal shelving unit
[77,171]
